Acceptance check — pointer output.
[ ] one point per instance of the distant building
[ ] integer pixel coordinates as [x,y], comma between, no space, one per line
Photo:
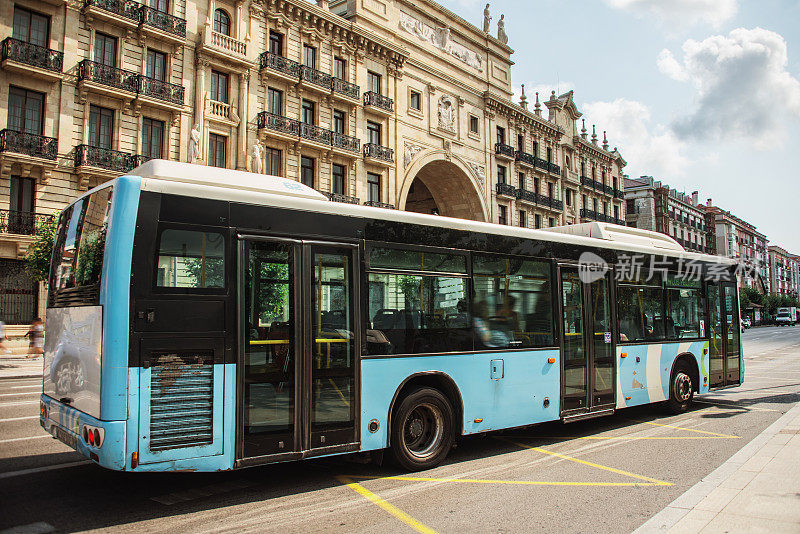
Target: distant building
[738,239]
[652,205]
[783,272]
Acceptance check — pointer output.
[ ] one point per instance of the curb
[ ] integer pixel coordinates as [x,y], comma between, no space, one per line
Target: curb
[677,509]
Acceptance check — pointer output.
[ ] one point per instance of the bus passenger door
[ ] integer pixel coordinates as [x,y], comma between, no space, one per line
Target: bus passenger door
[723,346]
[588,355]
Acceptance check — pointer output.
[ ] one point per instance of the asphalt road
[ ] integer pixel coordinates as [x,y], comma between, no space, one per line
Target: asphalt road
[606,475]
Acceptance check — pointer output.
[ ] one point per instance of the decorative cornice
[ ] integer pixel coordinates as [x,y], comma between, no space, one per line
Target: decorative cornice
[585,146]
[520,116]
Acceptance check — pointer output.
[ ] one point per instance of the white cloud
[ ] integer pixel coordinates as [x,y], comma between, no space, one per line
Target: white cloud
[676,13]
[743,88]
[648,149]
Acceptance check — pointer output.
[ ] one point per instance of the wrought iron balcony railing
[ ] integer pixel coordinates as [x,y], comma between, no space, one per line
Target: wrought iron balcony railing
[315,133]
[337,197]
[383,153]
[345,88]
[29,144]
[553,168]
[104,158]
[377,100]
[163,21]
[268,60]
[540,163]
[619,194]
[161,90]
[110,76]
[523,194]
[502,149]
[311,132]
[278,123]
[346,142]
[524,157]
[31,54]
[586,181]
[128,9]
[503,188]
[317,77]
[21,222]
[376,204]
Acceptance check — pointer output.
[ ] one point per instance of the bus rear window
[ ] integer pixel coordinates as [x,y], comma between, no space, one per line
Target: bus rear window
[78,251]
[191,259]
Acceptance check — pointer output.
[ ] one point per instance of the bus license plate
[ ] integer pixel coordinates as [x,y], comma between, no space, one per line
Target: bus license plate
[65,437]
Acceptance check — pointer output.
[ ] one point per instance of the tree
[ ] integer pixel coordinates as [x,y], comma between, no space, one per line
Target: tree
[37,261]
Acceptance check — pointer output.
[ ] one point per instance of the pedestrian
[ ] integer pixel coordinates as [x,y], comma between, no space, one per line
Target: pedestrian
[36,335]
[3,348]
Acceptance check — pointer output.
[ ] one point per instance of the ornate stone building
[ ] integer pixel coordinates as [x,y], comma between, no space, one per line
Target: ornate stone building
[388,102]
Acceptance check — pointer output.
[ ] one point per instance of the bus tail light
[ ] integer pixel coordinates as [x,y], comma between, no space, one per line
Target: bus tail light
[551,360]
[93,436]
[96,437]
[623,355]
[134,459]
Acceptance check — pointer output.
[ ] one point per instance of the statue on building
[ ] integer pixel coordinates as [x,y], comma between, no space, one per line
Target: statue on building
[487,19]
[501,30]
[194,144]
[447,114]
[256,164]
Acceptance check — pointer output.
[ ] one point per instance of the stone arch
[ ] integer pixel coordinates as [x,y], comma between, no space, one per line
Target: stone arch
[455,188]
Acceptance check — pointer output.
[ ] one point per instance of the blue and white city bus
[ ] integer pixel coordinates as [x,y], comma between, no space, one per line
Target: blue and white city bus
[207,319]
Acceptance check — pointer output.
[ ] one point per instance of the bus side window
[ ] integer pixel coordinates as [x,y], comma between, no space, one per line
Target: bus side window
[190,259]
[640,311]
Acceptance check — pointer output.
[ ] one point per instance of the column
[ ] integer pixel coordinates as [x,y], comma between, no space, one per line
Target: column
[244,112]
[199,99]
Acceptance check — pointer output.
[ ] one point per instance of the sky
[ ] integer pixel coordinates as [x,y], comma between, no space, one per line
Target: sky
[703,95]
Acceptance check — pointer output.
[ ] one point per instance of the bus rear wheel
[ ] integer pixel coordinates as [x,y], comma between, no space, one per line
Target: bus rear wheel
[681,390]
[422,430]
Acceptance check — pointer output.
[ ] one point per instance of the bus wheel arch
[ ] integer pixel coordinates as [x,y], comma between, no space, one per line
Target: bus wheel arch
[686,358]
[684,370]
[435,380]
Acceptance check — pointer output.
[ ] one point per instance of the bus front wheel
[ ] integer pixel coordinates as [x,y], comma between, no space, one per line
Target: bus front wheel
[681,390]
[422,430]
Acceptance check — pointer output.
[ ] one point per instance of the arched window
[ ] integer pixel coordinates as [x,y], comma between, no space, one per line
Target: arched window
[222,22]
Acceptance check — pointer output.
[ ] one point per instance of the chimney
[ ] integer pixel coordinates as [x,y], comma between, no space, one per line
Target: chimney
[708,202]
[323,4]
[695,198]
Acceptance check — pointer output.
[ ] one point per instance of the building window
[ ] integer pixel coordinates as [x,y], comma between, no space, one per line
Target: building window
[501,174]
[614,179]
[25,111]
[275,43]
[373,82]
[522,221]
[594,173]
[307,171]
[274,101]
[473,124]
[502,217]
[595,204]
[415,100]
[569,197]
[551,222]
[535,148]
[339,121]
[583,202]
[20,203]
[152,138]
[374,187]
[216,150]
[549,155]
[101,124]
[340,68]
[308,112]
[605,208]
[374,133]
[273,161]
[30,27]
[337,181]
[156,65]
[105,49]
[521,142]
[583,169]
[158,5]
[537,221]
[222,22]
[550,190]
[219,86]
[603,179]
[535,185]
[309,56]
[501,135]
[521,177]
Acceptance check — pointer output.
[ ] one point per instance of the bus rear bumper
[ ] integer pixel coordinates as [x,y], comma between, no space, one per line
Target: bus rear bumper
[79,431]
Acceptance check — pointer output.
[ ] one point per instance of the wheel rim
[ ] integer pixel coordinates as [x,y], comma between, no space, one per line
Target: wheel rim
[423,431]
[683,387]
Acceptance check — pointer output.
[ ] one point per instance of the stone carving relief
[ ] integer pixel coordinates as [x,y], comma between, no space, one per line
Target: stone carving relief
[447,114]
[410,151]
[440,38]
[480,172]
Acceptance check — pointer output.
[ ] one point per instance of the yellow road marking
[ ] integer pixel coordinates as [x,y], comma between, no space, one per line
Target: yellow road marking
[510,482]
[396,512]
[655,481]
[631,438]
[688,429]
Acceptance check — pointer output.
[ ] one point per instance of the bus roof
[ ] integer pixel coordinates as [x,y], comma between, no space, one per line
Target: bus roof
[203,181]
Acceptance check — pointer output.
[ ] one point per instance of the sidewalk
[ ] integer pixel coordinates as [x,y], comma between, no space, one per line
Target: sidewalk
[16,365]
[756,490]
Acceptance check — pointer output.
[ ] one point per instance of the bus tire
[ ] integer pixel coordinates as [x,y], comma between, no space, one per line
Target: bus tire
[681,389]
[422,430]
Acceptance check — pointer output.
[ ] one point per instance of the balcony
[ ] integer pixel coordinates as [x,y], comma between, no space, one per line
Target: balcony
[315,134]
[27,144]
[104,158]
[524,195]
[118,12]
[21,222]
[161,93]
[107,80]
[378,154]
[504,151]
[28,58]
[225,47]
[378,102]
[525,158]
[586,181]
[315,79]
[292,129]
[285,68]
[508,190]
[221,112]
[376,204]
[278,123]
[540,163]
[552,168]
[163,25]
[344,88]
[345,142]
[336,197]
[619,194]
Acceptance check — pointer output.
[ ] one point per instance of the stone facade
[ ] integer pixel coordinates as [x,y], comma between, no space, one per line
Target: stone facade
[784,271]
[388,102]
[651,205]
